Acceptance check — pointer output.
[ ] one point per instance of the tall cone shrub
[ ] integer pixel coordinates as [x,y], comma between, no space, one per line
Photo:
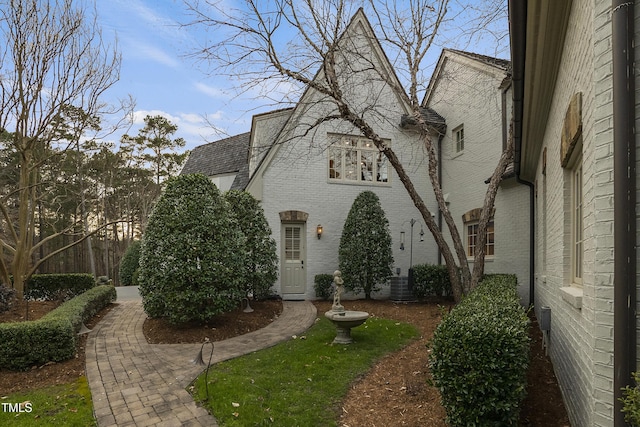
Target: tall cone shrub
[191,258]
[365,254]
[261,260]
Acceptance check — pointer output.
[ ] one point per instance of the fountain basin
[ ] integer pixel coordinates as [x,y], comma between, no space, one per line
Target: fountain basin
[344,321]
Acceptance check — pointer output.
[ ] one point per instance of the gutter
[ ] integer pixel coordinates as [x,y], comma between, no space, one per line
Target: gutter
[518,31]
[624,353]
[624,207]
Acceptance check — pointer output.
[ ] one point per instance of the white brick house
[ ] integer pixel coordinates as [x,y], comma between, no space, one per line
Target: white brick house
[308,179]
[568,99]
[305,179]
[473,93]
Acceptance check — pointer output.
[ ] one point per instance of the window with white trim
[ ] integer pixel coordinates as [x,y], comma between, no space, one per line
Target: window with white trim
[458,138]
[577,223]
[357,159]
[473,239]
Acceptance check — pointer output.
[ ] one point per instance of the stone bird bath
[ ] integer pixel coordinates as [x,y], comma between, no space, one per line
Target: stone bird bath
[343,319]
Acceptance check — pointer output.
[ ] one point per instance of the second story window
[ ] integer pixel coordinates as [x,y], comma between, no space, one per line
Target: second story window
[458,138]
[357,160]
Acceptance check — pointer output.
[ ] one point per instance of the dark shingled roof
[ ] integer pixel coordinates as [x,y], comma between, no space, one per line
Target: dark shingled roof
[242,178]
[431,117]
[227,155]
[505,64]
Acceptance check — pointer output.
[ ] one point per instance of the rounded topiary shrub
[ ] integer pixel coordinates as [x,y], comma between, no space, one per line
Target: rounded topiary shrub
[191,258]
[365,253]
[129,264]
[261,260]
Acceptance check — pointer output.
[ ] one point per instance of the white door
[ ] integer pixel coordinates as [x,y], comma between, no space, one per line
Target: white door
[293,256]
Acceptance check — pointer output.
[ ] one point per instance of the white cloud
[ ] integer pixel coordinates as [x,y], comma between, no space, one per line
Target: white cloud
[212,91]
[195,128]
[155,54]
[192,117]
[139,115]
[154,20]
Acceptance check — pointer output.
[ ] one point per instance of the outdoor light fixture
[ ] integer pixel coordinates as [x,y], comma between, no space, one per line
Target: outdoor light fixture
[402,240]
[421,233]
[319,231]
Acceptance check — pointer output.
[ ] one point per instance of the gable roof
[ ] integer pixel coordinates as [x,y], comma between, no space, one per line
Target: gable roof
[359,18]
[505,64]
[225,156]
[491,64]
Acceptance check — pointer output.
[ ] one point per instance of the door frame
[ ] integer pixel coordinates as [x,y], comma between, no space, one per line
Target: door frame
[288,219]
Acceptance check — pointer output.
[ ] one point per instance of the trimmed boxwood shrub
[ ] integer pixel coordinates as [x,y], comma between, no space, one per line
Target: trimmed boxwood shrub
[431,280]
[58,286]
[365,255]
[53,337]
[261,260]
[129,264]
[192,258]
[480,355]
[322,285]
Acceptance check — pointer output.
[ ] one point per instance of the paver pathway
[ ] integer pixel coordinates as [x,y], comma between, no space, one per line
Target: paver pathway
[134,383]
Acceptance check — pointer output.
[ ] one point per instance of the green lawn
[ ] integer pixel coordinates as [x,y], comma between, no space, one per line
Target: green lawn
[299,382]
[62,405]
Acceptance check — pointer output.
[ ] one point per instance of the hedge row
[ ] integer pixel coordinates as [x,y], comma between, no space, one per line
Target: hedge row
[322,284]
[480,355]
[53,337]
[58,286]
[431,280]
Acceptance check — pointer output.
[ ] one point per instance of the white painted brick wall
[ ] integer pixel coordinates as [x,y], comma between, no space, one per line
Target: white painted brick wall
[581,345]
[297,179]
[468,93]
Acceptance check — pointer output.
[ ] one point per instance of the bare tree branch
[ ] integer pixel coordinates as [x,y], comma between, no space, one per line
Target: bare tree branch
[54,58]
[251,45]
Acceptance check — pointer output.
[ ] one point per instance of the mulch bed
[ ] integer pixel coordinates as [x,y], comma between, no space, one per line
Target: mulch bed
[227,325]
[396,391]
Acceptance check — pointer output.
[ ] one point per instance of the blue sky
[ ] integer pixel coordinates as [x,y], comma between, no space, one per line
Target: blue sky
[159,73]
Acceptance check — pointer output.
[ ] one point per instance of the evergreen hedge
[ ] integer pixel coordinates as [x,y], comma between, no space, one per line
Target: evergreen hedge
[480,356]
[52,338]
[58,286]
[431,280]
[129,265]
[322,285]
[192,258]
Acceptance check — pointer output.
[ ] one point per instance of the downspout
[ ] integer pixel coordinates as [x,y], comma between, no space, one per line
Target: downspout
[532,243]
[532,246]
[518,31]
[440,138]
[624,195]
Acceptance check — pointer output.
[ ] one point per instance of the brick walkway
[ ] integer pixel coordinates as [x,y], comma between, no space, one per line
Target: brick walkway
[134,383]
